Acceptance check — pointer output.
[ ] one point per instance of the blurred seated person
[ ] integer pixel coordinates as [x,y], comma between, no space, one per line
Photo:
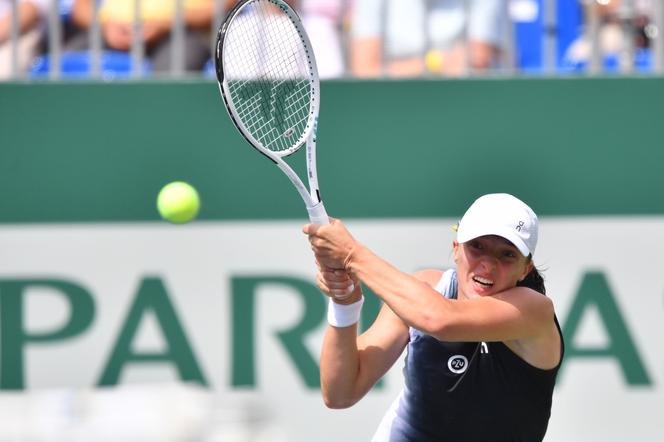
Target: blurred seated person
[32,19]
[158,17]
[322,20]
[618,21]
[403,38]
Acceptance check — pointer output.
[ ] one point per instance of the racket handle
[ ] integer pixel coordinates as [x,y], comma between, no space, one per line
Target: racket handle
[317,214]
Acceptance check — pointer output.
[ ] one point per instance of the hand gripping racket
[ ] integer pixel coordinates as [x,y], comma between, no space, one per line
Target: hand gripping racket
[269,83]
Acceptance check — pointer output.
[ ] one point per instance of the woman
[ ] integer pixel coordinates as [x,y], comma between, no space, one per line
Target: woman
[30,30]
[484,345]
[157,29]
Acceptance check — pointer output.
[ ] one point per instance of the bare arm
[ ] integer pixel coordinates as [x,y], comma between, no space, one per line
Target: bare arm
[351,365]
[28,16]
[366,57]
[516,314]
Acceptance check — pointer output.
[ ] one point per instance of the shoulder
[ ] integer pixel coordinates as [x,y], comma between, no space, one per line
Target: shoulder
[429,276]
[524,294]
[537,306]
[541,346]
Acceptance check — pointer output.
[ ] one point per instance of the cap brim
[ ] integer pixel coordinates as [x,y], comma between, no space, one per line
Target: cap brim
[465,235]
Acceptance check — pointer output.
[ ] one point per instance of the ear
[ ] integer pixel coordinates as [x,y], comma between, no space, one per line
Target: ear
[455,250]
[529,267]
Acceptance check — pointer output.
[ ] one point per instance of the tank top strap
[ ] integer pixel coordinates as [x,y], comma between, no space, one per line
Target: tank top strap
[447,286]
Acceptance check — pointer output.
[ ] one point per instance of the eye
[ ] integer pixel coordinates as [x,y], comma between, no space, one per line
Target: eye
[476,245]
[510,254]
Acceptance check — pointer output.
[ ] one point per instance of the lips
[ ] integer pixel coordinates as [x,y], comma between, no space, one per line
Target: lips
[484,282]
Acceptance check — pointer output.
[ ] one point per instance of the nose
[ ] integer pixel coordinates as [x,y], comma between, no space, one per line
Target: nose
[487,264]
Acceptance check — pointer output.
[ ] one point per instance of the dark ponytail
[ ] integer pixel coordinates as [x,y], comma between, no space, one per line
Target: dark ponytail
[533,280]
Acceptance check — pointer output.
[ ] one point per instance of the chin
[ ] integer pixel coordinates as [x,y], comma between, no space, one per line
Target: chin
[471,292]
[483,293]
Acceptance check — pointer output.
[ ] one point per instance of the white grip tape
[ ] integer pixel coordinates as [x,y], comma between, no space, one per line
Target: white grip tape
[340,315]
[318,215]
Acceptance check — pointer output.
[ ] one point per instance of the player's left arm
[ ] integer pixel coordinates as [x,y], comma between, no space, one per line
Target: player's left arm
[516,314]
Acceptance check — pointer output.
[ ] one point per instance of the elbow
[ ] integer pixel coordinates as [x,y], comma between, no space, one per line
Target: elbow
[435,325]
[337,403]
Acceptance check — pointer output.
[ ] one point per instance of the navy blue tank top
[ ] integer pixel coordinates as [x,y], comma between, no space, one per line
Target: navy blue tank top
[468,391]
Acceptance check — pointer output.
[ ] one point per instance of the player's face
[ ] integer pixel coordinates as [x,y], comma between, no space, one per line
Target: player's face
[488,265]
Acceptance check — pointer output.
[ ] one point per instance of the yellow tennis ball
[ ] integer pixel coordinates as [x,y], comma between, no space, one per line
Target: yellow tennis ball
[178,202]
[434,61]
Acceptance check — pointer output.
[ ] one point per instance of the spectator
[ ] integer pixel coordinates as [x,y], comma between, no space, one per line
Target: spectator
[415,35]
[621,27]
[117,18]
[31,27]
[323,21]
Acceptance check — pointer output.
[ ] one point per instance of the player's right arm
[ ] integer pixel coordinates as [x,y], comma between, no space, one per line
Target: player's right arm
[350,364]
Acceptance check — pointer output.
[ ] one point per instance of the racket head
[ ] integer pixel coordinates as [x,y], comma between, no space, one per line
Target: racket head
[267,76]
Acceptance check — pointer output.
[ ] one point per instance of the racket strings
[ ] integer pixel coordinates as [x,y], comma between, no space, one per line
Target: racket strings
[289,113]
[269,75]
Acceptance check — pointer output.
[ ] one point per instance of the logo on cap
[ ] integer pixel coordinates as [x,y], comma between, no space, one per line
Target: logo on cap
[521,224]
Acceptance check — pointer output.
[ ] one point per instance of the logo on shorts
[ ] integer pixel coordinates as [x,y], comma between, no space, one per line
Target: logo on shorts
[457,364]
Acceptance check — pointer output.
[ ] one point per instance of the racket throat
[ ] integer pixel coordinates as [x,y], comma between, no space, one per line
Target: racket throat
[315,196]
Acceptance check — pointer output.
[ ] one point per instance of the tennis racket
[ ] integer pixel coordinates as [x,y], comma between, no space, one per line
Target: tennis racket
[269,83]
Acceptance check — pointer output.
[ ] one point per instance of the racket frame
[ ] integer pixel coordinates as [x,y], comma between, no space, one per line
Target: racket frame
[310,196]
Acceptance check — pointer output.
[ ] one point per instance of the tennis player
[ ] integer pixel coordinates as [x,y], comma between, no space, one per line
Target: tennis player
[483,342]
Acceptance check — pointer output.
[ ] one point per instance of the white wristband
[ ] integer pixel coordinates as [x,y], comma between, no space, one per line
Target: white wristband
[340,315]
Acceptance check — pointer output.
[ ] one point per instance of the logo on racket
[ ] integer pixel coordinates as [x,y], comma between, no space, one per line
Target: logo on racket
[457,364]
[271,100]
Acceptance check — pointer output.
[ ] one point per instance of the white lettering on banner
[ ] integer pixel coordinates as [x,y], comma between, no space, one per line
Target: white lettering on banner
[135,303]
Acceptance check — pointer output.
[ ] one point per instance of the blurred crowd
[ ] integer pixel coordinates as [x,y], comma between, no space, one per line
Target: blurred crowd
[357,38]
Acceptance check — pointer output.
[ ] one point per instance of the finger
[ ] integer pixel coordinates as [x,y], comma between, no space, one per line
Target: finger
[335,280]
[340,291]
[310,229]
[334,283]
[339,286]
[323,264]
[335,276]
[322,285]
[329,277]
[342,294]
[338,272]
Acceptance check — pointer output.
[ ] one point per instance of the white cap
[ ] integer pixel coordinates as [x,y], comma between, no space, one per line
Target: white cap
[504,215]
